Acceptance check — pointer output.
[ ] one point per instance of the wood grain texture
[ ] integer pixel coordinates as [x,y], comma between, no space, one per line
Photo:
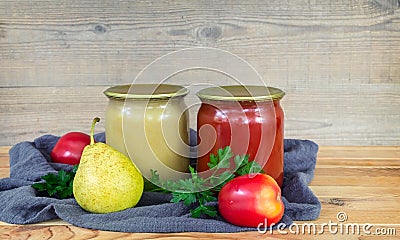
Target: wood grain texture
[353,119]
[362,198]
[338,61]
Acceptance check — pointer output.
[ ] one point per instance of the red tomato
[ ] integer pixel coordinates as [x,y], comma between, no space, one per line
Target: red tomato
[69,148]
[250,200]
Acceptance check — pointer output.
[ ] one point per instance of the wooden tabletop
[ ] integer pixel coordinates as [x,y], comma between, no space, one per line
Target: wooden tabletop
[357,186]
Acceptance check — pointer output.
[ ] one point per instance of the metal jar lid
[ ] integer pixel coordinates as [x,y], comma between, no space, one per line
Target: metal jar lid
[146,91]
[241,93]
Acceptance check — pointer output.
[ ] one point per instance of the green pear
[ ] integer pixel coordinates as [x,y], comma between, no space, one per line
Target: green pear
[106,180]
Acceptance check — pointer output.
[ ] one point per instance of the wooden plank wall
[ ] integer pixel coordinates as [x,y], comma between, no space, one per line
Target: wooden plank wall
[337,60]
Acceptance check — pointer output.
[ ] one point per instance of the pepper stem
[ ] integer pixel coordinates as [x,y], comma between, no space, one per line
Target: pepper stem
[95,120]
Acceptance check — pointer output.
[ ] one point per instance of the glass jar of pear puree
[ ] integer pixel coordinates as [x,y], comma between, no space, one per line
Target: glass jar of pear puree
[149,123]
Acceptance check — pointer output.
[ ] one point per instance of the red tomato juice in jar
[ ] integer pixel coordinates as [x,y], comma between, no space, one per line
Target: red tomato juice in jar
[249,119]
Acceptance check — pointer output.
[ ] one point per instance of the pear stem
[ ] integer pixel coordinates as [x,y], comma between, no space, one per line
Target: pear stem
[95,120]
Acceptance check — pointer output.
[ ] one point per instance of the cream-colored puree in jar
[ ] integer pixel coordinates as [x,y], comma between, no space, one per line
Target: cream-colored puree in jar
[148,122]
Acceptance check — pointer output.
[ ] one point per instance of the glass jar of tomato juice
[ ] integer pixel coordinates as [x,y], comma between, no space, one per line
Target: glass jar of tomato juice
[249,119]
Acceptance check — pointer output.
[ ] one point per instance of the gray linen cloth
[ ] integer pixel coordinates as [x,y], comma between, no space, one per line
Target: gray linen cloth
[21,204]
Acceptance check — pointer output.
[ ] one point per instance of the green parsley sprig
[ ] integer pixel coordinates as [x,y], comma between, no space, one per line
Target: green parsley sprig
[200,191]
[57,185]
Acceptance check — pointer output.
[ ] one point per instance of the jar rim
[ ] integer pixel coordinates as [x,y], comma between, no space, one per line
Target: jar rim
[146,91]
[241,93]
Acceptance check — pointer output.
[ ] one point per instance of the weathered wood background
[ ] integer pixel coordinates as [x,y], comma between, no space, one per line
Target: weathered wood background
[338,61]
